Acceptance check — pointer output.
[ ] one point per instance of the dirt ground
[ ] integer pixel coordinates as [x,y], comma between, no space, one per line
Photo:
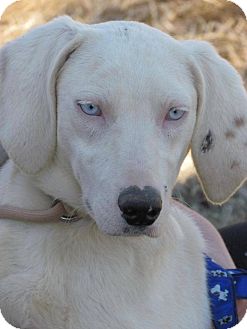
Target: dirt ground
[218,21]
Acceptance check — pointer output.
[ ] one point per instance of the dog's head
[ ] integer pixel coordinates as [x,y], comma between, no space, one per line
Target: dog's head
[118,105]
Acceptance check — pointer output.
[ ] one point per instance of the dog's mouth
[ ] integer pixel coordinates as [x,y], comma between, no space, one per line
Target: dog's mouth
[150,231]
[132,231]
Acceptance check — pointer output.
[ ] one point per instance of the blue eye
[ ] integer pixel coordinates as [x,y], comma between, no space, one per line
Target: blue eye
[89,108]
[174,114]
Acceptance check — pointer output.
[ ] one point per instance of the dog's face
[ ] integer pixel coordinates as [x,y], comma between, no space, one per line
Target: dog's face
[118,105]
[125,121]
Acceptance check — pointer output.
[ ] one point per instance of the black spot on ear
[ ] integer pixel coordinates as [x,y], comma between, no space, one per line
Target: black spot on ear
[207,143]
[165,188]
[88,205]
[239,122]
[235,164]
[229,134]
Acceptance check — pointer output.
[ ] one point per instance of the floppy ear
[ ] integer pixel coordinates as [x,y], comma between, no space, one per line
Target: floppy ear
[219,143]
[29,67]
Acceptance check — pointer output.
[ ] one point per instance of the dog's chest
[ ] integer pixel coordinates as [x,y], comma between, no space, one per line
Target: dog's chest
[99,288]
[70,283]
[98,303]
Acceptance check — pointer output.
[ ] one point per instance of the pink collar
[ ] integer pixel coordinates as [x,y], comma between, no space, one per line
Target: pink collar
[55,214]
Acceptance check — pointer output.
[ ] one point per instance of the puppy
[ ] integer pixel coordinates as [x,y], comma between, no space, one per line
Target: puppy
[101,117]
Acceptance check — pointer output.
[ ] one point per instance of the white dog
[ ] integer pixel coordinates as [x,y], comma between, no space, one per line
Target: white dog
[101,118]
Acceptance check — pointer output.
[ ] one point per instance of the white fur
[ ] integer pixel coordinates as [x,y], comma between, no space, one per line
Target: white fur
[100,273]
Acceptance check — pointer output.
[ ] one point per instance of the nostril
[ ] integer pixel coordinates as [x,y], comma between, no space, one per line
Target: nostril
[153,213]
[131,213]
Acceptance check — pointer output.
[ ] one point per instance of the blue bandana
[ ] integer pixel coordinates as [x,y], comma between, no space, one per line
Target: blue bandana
[224,287]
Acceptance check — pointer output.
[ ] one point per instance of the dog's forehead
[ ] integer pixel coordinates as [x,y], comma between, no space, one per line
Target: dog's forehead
[129,29]
[126,57]
[134,35]
[131,42]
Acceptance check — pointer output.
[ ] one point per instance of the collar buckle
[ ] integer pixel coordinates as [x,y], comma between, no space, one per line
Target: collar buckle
[69,219]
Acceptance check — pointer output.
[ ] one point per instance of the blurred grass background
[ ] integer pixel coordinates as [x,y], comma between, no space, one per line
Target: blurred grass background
[218,21]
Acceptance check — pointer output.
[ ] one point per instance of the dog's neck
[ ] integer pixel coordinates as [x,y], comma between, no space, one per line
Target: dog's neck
[18,190]
[37,192]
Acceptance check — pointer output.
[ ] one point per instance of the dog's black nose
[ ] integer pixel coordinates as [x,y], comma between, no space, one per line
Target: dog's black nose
[140,207]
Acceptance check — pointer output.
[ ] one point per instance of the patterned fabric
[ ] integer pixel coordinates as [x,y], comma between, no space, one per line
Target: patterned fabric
[224,287]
